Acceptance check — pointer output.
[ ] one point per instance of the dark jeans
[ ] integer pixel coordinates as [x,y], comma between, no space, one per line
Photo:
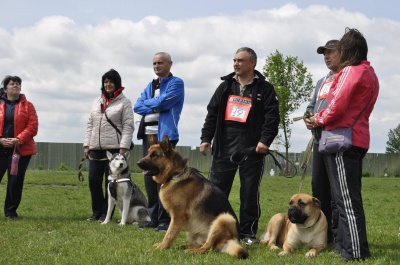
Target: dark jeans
[98,176]
[157,212]
[223,172]
[14,183]
[321,189]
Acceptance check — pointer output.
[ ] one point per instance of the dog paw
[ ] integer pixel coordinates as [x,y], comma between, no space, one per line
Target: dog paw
[311,254]
[104,223]
[121,224]
[196,250]
[159,246]
[283,253]
[274,247]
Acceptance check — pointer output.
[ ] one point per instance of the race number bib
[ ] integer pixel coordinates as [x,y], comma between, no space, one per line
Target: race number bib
[238,108]
[326,86]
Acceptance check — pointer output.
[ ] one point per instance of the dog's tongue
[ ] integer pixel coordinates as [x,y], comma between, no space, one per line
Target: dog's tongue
[145,172]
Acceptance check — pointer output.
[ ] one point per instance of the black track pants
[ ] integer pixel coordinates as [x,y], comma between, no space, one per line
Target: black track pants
[345,172]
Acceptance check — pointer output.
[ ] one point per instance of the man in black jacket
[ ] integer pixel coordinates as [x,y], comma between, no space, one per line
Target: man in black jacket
[242,113]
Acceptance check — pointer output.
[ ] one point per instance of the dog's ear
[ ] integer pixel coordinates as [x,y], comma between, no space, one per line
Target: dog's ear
[166,145]
[152,140]
[109,155]
[126,155]
[184,161]
[316,202]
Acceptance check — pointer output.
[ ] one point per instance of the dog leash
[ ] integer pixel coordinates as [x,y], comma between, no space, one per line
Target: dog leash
[80,175]
[304,162]
[239,156]
[279,165]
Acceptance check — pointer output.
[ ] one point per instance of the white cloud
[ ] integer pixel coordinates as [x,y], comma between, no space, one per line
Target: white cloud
[61,62]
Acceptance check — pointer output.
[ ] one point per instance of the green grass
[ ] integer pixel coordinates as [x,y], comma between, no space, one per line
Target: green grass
[52,227]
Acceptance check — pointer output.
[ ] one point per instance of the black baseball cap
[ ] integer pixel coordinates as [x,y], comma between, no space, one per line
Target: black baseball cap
[329,45]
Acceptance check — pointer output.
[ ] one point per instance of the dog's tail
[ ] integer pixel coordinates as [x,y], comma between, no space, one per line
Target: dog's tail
[143,214]
[234,249]
[224,234]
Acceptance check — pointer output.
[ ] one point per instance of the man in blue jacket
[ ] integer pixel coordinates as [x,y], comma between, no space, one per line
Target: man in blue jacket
[160,105]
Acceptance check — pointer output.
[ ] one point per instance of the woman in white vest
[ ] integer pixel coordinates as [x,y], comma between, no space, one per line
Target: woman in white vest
[109,128]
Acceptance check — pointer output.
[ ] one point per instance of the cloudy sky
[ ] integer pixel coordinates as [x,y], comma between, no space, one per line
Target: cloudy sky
[62,48]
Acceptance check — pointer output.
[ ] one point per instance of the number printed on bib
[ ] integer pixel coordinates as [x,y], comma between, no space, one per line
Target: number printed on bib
[238,108]
[326,86]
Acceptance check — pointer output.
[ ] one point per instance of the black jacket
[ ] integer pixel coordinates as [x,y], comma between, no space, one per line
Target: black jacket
[262,122]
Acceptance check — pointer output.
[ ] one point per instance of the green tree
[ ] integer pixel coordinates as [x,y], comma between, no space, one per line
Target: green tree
[293,84]
[393,144]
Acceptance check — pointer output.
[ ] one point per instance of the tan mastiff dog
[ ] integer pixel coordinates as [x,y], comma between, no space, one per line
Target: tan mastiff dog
[304,225]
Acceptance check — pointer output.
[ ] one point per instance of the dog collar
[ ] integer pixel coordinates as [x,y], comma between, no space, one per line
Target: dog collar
[319,217]
[171,177]
[120,180]
[175,174]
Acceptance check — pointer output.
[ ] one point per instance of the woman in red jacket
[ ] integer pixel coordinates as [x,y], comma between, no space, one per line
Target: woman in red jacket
[353,94]
[18,126]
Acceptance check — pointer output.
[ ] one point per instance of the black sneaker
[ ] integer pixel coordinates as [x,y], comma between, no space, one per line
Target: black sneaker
[102,218]
[162,227]
[92,218]
[347,259]
[249,240]
[12,216]
[150,224]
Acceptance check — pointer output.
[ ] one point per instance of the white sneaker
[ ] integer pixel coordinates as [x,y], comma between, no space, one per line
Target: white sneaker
[249,240]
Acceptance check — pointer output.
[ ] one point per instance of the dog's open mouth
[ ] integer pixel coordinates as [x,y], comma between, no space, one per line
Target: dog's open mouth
[148,169]
[150,172]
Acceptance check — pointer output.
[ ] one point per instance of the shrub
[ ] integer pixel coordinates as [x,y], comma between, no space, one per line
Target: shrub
[366,174]
[63,167]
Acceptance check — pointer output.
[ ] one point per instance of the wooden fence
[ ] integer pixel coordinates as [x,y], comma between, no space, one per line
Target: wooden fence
[53,156]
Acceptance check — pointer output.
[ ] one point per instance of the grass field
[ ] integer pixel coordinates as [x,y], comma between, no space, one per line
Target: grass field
[52,227]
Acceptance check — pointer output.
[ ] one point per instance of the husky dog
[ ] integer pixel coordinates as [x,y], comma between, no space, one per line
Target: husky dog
[123,193]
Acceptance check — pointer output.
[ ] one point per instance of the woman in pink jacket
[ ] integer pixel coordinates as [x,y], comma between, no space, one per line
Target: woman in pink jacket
[18,126]
[354,91]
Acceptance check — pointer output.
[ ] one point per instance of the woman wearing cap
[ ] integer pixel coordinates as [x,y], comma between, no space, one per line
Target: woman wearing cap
[101,136]
[18,126]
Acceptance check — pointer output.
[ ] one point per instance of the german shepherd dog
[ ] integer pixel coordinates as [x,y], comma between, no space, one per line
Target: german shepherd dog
[194,203]
[122,192]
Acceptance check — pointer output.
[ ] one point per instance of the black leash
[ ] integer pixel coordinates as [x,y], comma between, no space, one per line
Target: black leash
[240,156]
[279,165]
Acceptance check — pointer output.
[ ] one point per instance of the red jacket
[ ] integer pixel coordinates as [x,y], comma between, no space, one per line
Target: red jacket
[350,92]
[25,125]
